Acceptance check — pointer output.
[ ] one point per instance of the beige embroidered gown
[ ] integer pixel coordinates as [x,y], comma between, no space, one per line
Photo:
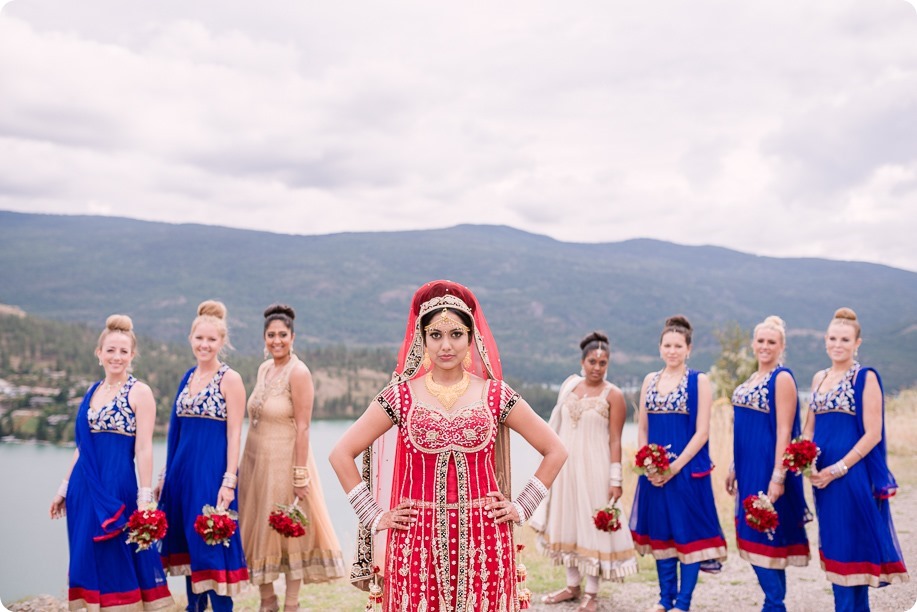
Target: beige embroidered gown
[265,478]
[570,537]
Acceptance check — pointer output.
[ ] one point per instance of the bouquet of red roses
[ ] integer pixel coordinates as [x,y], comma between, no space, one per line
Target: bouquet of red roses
[652,459]
[800,456]
[146,527]
[216,525]
[288,521]
[607,518]
[760,514]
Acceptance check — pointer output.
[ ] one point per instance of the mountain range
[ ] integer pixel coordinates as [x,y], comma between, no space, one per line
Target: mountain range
[540,295]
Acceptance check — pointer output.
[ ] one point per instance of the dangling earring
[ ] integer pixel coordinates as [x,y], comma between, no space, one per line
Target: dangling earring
[426,360]
[267,353]
[466,361]
[100,362]
[856,353]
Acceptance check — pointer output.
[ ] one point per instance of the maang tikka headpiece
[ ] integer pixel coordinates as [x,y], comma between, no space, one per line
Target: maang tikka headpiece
[446,323]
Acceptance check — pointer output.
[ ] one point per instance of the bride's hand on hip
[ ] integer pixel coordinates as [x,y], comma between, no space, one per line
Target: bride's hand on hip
[401,517]
[501,509]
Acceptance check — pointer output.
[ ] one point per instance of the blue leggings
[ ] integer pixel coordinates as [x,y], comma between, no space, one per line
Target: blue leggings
[773,583]
[851,599]
[197,602]
[670,595]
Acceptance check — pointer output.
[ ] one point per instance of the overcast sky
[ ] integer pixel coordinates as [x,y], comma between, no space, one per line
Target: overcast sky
[779,128]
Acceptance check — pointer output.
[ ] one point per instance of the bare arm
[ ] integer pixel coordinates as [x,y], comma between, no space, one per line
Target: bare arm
[701,432]
[643,423]
[808,430]
[524,421]
[234,391]
[617,413]
[372,424]
[786,398]
[303,392]
[141,400]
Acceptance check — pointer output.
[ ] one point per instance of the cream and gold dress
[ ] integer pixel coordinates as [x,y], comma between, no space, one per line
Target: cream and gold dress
[568,535]
[265,479]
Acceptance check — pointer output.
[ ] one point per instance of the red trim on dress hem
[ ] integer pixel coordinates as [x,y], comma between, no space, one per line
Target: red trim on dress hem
[690,547]
[106,600]
[861,567]
[775,552]
[221,576]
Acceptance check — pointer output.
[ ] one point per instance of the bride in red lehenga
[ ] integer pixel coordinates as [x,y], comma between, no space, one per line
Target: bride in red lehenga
[440,482]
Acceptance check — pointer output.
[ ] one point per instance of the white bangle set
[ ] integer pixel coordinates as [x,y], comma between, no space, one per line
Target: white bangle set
[62,488]
[144,496]
[528,499]
[778,476]
[615,475]
[230,480]
[368,510]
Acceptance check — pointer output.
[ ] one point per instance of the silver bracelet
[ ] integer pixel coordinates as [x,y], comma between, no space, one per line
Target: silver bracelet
[62,488]
[778,476]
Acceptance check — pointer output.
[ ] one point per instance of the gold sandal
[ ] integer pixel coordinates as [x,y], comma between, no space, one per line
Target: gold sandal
[590,603]
[565,594]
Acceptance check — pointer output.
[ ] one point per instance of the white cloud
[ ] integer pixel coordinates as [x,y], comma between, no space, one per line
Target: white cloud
[767,128]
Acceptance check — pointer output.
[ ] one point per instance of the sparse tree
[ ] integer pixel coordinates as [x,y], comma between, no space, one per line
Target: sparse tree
[735,363]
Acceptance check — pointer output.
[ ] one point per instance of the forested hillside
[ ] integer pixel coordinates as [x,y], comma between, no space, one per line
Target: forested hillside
[540,295]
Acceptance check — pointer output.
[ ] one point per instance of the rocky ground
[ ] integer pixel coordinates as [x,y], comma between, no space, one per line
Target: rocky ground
[736,588]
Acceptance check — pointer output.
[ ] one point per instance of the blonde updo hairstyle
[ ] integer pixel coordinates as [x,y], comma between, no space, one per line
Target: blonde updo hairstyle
[212,311]
[846,316]
[777,324]
[120,324]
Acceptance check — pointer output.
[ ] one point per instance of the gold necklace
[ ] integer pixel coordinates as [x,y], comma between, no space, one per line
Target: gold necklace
[447,395]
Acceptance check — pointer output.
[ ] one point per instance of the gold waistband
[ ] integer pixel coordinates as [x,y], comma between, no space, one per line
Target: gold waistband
[479,502]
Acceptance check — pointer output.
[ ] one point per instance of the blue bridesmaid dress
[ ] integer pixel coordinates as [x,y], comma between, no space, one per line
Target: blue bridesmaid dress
[677,523]
[754,444]
[106,573]
[858,545]
[194,473]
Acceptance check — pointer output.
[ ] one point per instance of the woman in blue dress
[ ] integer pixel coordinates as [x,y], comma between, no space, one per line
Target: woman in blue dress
[114,428]
[674,517]
[857,541]
[202,465]
[766,420]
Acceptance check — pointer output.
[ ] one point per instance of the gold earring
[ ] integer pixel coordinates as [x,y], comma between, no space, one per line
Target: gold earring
[467,360]
[426,360]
